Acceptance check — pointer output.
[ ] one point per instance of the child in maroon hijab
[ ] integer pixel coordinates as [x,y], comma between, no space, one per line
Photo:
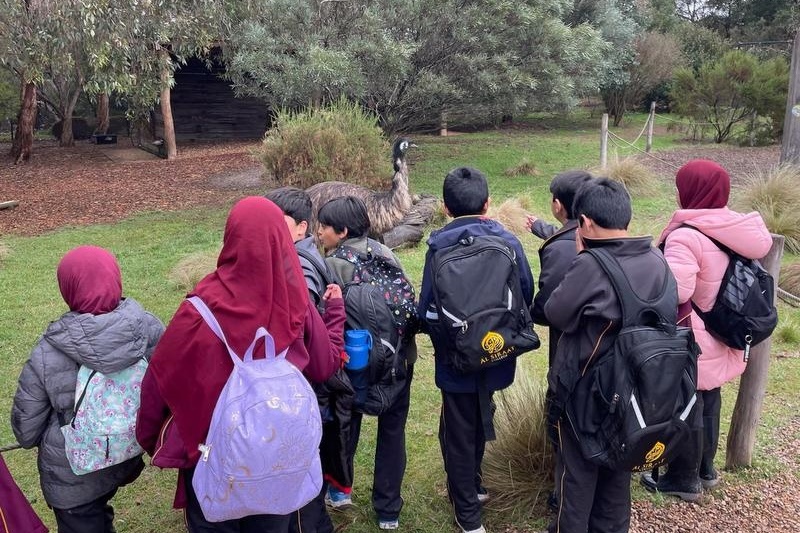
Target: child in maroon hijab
[102,331]
[699,266]
[258,282]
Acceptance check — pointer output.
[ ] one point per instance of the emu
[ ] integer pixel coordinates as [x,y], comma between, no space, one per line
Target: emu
[386,209]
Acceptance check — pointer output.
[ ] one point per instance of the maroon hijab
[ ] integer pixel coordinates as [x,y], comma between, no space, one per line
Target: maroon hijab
[258,282]
[703,184]
[90,280]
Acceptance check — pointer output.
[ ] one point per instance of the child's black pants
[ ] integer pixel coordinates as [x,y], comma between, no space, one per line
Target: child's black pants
[591,498]
[463,441]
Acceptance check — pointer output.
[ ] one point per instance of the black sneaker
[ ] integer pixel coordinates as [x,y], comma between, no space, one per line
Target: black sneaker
[709,480]
[552,502]
[688,491]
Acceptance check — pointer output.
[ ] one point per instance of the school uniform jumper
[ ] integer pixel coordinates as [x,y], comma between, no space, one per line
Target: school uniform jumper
[390,443]
[555,256]
[465,423]
[585,307]
[314,517]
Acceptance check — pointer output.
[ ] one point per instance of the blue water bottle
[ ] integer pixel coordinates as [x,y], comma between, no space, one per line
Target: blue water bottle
[357,344]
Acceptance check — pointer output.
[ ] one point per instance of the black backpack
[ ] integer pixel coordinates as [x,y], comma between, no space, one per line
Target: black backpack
[483,318]
[744,312]
[380,299]
[631,408]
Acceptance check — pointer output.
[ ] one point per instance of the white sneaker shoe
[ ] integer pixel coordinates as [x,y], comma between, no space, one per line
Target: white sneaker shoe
[479,530]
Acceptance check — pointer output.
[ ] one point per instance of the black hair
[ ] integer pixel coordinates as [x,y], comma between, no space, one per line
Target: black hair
[294,202]
[564,187]
[345,212]
[465,191]
[605,201]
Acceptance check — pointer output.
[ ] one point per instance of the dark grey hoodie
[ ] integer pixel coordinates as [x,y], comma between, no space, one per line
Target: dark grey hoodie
[107,343]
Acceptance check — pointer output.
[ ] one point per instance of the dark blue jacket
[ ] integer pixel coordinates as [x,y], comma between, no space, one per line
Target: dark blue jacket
[502,375]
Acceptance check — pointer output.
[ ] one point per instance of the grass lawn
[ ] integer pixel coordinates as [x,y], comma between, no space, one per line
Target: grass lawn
[148,247]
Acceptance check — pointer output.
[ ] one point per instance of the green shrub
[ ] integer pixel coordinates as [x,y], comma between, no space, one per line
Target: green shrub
[518,466]
[774,193]
[337,143]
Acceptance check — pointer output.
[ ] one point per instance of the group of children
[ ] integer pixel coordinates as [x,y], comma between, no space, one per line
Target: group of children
[258,282]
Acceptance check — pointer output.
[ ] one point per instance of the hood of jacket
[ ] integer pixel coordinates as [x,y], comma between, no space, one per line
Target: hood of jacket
[452,232]
[107,343]
[744,233]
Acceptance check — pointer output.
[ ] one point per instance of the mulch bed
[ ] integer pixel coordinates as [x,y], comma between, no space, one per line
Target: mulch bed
[90,184]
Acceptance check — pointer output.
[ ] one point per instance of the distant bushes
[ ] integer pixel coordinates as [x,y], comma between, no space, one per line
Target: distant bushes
[337,143]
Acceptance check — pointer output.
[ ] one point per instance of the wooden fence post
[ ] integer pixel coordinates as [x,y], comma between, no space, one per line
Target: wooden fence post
[650,121]
[604,142]
[753,383]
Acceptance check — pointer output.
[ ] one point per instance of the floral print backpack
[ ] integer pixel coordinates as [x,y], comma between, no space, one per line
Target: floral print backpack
[101,432]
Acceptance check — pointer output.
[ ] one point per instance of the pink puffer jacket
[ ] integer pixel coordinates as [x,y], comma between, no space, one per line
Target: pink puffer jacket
[698,266]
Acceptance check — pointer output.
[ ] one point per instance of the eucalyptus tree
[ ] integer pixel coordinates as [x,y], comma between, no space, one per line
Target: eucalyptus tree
[129,47]
[414,61]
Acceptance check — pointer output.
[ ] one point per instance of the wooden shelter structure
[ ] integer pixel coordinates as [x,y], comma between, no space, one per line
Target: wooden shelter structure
[205,107]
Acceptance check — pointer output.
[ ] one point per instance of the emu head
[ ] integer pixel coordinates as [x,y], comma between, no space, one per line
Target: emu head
[401,145]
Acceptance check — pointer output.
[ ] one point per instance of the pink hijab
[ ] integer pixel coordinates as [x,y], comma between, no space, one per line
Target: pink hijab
[90,280]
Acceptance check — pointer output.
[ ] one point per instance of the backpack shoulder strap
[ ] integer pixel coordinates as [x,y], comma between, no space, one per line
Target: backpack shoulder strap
[633,307]
[261,333]
[80,399]
[712,239]
[323,272]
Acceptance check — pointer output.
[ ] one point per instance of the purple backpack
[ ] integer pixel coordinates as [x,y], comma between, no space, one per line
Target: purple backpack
[261,455]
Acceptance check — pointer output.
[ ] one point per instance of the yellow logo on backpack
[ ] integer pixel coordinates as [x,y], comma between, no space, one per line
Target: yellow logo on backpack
[655,452]
[492,342]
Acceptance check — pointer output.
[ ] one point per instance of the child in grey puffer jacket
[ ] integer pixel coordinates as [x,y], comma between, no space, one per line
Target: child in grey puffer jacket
[106,333]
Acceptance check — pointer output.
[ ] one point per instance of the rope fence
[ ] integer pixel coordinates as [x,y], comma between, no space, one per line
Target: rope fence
[616,139]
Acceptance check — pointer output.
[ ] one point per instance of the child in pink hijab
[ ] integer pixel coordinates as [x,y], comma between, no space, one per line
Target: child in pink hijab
[106,333]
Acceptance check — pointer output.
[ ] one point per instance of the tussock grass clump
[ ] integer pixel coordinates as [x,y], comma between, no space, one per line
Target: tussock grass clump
[518,466]
[524,168]
[341,142]
[789,333]
[774,193]
[630,172]
[511,213]
[5,252]
[192,269]
[789,280]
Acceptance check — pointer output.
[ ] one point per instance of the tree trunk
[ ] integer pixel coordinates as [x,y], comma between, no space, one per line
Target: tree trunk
[753,384]
[26,120]
[67,139]
[790,147]
[166,109]
[103,119]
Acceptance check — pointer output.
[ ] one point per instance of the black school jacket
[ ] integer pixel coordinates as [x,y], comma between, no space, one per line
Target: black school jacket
[586,309]
[555,256]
